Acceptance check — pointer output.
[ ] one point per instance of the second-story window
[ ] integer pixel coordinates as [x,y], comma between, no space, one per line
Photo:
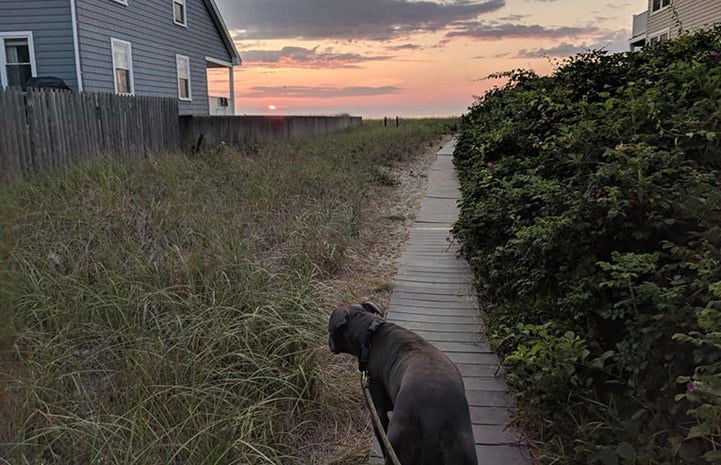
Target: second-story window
[659,4]
[179,13]
[123,67]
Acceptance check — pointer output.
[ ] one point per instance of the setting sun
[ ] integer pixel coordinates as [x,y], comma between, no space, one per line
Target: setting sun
[272,107]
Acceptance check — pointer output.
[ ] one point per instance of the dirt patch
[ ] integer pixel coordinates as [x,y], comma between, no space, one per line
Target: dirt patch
[369,274]
[391,209]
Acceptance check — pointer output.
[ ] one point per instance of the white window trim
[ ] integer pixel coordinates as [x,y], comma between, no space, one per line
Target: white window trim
[659,34]
[122,2]
[3,58]
[113,42]
[185,13]
[663,8]
[177,76]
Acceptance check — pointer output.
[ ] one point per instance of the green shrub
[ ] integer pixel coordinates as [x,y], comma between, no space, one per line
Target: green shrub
[591,215]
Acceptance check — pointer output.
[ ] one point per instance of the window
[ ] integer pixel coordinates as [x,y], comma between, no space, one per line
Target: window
[17,58]
[123,67]
[659,38]
[179,14]
[183,64]
[659,4]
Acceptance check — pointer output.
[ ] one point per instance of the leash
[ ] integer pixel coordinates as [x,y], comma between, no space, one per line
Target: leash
[363,369]
[377,421]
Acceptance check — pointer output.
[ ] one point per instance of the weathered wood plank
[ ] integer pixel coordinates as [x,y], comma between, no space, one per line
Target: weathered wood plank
[479,383]
[453,312]
[415,296]
[463,347]
[444,336]
[473,359]
[467,369]
[492,435]
[498,416]
[488,398]
[396,300]
[402,318]
[445,289]
[502,454]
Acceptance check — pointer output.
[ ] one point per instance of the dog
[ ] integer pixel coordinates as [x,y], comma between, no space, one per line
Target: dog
[430,423]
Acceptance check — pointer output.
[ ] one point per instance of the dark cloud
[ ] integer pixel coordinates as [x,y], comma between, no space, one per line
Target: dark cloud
[613,41]
[346,19]
[512,18]
[397,48]
[312,58]
[327,92]
[498,31]
[561,50]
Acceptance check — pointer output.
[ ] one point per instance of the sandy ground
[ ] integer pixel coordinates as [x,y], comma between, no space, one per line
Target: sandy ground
[369,273]
[391,210]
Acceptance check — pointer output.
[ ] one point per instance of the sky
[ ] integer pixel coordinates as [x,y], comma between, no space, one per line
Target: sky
[407,58]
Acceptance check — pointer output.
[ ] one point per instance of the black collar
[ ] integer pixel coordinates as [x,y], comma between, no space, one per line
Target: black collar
[366,347]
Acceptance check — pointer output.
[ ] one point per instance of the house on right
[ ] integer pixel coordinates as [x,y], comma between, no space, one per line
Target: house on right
[663,18]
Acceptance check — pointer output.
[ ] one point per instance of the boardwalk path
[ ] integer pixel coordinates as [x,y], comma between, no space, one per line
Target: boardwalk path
[433,297]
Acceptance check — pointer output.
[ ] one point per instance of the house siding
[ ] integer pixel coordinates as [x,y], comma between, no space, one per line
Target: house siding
[51,24]
[156,40]
[692,14]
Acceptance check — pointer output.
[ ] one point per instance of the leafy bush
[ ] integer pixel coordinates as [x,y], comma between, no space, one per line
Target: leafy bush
[591,215]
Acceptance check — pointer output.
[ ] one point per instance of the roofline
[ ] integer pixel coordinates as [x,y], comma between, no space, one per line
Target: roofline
[225,35]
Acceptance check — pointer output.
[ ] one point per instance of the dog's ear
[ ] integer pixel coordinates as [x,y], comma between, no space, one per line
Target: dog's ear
[373,308]
[336,322]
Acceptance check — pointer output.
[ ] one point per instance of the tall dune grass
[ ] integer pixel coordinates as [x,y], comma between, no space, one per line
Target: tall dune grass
[174,310]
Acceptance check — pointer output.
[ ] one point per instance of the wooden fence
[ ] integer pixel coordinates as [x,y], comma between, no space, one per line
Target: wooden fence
[44,129]
[239,130]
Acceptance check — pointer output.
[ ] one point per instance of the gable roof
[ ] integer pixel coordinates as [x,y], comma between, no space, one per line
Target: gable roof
[223,30]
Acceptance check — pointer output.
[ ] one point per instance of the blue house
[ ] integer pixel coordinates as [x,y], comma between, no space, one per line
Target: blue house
[165,48]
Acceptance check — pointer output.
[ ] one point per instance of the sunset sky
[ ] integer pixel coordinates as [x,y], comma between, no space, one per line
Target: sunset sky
[377,58]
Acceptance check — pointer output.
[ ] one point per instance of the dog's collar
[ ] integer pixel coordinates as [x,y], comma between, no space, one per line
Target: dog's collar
[366,347]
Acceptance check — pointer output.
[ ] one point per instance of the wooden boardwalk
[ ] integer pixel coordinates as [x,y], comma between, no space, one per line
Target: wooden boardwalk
[433,296]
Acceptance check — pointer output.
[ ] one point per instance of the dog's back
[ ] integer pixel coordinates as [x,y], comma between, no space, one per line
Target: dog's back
[431,408]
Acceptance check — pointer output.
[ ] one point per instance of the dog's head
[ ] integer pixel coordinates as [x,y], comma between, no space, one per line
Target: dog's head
[340,338]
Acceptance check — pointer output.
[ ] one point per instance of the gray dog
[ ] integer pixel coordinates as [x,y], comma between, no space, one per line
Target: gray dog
[431,424]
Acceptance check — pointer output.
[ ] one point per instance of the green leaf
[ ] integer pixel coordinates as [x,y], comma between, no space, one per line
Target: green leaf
[713,456]
[626,451]
[715,288]
[608,457]
[700,431]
